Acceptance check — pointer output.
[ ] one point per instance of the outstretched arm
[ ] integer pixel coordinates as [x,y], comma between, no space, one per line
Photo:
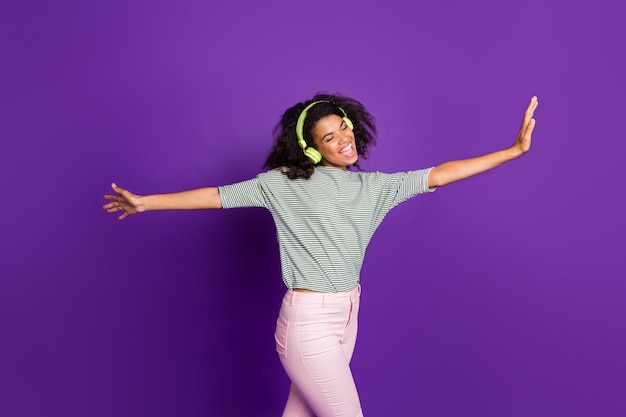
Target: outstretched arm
[452,171]
[129,203]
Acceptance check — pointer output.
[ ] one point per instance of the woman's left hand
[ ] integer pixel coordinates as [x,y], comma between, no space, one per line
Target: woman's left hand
[522,142]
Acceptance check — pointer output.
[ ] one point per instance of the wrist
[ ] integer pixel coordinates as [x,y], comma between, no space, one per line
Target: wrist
[513,152]
[145,203]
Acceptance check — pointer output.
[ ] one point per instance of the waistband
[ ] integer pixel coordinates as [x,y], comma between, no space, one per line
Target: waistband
[296,297]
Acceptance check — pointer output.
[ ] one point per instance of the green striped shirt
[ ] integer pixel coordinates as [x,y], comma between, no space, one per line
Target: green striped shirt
[325,223]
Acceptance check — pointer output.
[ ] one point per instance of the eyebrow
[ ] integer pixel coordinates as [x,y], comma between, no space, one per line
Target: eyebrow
[330,133]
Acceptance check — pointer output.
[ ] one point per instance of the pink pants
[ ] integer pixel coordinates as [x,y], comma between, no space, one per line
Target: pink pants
[315,337]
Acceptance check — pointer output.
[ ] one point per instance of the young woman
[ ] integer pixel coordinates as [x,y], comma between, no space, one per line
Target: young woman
[325,216]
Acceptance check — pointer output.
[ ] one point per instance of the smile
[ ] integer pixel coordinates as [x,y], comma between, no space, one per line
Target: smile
[348,151]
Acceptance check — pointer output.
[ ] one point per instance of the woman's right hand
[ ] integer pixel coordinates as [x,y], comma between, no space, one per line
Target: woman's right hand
[125,201]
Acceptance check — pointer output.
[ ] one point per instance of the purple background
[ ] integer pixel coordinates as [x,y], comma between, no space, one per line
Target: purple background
[502,295]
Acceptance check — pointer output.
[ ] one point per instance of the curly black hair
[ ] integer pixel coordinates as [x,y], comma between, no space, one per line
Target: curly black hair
[287,155]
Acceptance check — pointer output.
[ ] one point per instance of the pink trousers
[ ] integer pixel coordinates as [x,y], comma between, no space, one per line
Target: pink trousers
[315,338]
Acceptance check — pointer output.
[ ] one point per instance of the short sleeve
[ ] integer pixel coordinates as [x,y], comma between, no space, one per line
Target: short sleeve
[242,194]
[413,183]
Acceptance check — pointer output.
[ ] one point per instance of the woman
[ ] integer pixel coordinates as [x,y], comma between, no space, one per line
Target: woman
[325,216]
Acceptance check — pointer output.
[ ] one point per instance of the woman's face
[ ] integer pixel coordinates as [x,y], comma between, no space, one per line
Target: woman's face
[335,141]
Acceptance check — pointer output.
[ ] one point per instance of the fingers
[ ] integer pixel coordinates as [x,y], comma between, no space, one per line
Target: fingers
[111,207]
[115,207]
[117,189]
[528,121]
[113,197]
[116,197]
[523,140]
[530,110]
[119,203]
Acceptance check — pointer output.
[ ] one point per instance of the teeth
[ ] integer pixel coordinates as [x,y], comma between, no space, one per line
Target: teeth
[346,149]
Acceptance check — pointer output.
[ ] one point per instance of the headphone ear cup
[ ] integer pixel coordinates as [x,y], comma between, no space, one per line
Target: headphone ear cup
[313,155]
[348,123]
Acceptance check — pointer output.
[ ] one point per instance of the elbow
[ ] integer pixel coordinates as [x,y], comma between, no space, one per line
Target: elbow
[435,179]
[216,199]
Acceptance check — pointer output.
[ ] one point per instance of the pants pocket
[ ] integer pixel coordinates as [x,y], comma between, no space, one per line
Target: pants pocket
[282,326]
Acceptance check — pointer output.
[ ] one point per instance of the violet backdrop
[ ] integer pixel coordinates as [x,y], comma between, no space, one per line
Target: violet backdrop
[502,295]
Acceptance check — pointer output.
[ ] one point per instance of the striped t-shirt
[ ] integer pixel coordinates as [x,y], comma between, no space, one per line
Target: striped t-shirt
[325,223]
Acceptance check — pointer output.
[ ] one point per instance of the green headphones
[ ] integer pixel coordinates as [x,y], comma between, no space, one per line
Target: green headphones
[310,152]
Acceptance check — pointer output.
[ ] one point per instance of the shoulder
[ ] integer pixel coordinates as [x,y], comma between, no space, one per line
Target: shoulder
[376,176]
[385,180]
[274,176]
[277,178]
[273,173]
